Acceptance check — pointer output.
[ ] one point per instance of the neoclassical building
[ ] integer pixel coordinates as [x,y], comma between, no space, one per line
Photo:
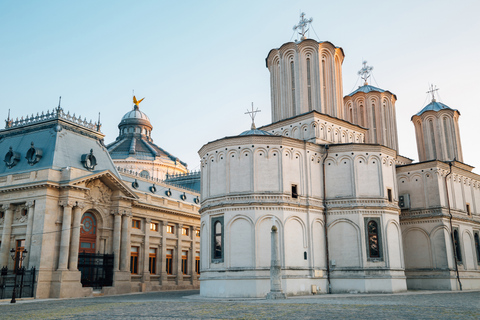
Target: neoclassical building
[353,215]
[87,223]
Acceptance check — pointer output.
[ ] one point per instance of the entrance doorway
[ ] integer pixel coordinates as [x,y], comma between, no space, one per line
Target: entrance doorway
[96,269]
[88,233]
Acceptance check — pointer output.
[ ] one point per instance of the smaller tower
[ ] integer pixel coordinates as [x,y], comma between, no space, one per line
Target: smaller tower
[437,132]
[373,108]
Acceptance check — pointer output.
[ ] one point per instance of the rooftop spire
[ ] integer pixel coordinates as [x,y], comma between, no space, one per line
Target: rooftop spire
[252,115]
[365,72]
[302,25]
[432,92]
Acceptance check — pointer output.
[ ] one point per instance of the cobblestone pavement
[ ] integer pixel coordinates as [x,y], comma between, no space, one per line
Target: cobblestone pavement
[188,305]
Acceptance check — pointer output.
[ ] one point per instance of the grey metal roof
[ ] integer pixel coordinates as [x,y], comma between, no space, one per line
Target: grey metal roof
[434,106]
[135,114]
[255,132]
[366,89]
[137,146]
[62,144]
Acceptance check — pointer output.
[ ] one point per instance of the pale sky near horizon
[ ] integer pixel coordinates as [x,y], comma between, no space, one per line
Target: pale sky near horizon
[200,64]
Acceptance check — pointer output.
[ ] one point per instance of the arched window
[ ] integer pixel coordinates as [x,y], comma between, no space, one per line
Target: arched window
[309,85]
[217,239]
[324,86]
[432,137]
[385,125]
[477,246]
[373,239]
[374,125]
[292,76]
[448,143]
[362,116]
[456,243]
[144,174]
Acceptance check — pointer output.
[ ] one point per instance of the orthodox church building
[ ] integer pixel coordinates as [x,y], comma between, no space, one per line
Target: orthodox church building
[93,220]
[352,214]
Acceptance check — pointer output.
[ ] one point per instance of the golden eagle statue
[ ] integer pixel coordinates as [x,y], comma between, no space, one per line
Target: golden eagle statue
[135,102]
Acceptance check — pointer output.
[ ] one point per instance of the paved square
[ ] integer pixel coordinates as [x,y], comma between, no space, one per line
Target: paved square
[188,305]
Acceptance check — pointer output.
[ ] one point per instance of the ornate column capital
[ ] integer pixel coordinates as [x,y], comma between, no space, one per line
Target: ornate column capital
[148,220]
[30,203]
[116,212]
[80,204]
[66,203]
[127,213]
[7,206]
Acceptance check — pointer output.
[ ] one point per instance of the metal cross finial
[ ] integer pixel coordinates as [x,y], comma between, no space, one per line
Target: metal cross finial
[252,115]
[432,92]
[364,73]
[302,25]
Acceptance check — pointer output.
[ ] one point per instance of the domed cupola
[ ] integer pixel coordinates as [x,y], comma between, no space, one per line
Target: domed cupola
[135,122]
[437,132]
[134,148]
[373,108]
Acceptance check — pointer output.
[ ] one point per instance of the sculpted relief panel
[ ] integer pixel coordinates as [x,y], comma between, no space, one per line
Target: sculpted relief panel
[98,192]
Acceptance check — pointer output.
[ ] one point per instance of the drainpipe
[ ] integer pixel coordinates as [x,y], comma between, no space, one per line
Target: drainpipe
[329,288]
[451,227]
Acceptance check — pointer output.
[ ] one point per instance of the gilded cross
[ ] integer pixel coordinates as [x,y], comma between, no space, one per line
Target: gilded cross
[303,24]
[365,72]
[252,115]
[432,91]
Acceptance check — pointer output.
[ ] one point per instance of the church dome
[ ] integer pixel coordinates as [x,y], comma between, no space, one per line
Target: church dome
[257,132]
[434,106]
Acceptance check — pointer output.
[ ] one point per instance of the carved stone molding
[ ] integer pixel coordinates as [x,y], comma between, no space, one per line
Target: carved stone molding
[7,206]
[98,192]
[30,204]
[80,204]
[66,203]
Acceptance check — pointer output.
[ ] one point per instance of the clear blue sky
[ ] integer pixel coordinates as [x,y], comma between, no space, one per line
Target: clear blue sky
[199,64]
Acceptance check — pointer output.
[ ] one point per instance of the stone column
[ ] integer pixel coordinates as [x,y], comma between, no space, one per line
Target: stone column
[7,232]
[163,253]
[193,256]
[65,235]
[117,231]
[125,256]
[146,251]
[179,254]
[276,291]
[28,236]
[75,241]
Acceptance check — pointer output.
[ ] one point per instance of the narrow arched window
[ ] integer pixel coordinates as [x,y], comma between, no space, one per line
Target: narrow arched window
[324,86]
[456,243]
[309,85]
[374,125]
[362,116]
[373,245]
[385,124]
[432,137]
[477,247]
[292,76]
[217,239]
[448,145]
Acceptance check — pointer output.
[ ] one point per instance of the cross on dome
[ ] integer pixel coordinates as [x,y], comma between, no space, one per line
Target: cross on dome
[302,24]
[252,115]
[432,92]
[365,72]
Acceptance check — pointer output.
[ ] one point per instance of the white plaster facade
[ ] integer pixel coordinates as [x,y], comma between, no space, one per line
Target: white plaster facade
[324,172]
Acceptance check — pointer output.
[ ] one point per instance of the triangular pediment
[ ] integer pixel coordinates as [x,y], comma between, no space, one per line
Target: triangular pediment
[102,184]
